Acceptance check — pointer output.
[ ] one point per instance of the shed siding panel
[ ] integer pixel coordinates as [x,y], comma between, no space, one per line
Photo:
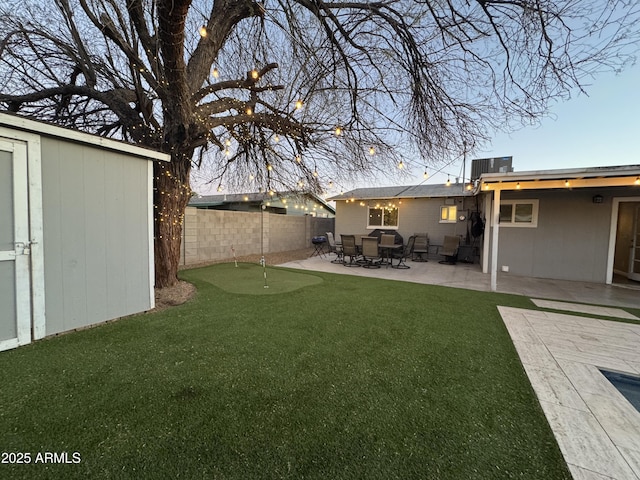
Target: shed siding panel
[95,234]
[94,219]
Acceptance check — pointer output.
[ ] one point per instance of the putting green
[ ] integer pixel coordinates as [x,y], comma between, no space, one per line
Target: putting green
[248,278]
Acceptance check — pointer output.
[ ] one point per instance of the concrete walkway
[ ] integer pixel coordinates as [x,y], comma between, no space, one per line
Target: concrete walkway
[470,276]
[597,428]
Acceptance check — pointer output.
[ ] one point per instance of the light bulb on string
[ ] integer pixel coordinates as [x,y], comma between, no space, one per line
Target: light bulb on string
[372,151]
[215,73]
[425,175]
[299,104]
[298,159]
[276,138]
[338,131]
[203,31]
[249,111]
[269,167]
[254,74]
[401,165]
[315,173]
[220,187]
[448,181]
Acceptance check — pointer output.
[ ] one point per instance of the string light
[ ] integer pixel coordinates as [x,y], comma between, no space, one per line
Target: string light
[338,131]
[249,111]
[276,138]
[401,165]
[566,183]
[448,184]
[269,167]
[203,31]
[254,74]
[425,175]
[298,159]
[637,182]
[299,104]
[215,73]
[219,187]
[518,186]
[315,173]
[372,151]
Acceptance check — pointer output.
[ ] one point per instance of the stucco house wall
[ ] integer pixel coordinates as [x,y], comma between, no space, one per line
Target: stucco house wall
[415,215]
[571,240]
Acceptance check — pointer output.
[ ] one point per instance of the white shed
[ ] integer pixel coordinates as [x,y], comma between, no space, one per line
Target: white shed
[76,230]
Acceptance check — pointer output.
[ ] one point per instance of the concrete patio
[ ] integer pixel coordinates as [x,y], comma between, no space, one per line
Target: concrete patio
[596,427]
[470,276]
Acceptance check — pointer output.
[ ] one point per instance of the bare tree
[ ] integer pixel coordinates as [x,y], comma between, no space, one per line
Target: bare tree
[291,93]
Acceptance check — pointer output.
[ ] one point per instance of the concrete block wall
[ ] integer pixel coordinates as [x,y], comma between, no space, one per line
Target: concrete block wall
[208,235]
[287,230]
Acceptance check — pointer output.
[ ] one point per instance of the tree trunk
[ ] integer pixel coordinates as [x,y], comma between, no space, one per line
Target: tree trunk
[171,196]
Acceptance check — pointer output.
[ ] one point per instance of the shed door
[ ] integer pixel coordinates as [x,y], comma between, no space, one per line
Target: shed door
[634,260]
[15,285]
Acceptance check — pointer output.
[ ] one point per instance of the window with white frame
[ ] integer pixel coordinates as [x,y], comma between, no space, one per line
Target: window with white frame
[382,217]
[519,213]
[448,214]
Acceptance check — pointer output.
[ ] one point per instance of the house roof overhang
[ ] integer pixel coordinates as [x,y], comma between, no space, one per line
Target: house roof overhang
[402,192]
[619,176]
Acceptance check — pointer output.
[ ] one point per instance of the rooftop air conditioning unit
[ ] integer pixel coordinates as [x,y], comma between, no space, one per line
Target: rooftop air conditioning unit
[490,165]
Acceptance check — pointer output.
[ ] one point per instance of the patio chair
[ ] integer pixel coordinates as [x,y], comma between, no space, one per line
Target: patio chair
[334,248]
[449,250]
[420,248]
[406,252]
[370,253]
[350,250]
[387,239]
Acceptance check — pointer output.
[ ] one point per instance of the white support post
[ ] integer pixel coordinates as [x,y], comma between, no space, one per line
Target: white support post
[486,236]
[494,239]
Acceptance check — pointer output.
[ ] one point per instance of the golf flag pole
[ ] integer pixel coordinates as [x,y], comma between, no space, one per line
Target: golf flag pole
[234,256]
[264,271]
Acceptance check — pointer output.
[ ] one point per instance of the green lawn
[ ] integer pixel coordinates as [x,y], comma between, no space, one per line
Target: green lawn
[320,376]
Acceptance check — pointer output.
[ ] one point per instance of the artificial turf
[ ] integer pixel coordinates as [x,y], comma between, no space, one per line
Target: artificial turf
[335,377]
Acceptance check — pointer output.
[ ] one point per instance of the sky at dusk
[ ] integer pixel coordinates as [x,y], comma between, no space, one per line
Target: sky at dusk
[601,129]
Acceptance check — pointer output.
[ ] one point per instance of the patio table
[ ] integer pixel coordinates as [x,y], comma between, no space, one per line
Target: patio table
[389,249]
